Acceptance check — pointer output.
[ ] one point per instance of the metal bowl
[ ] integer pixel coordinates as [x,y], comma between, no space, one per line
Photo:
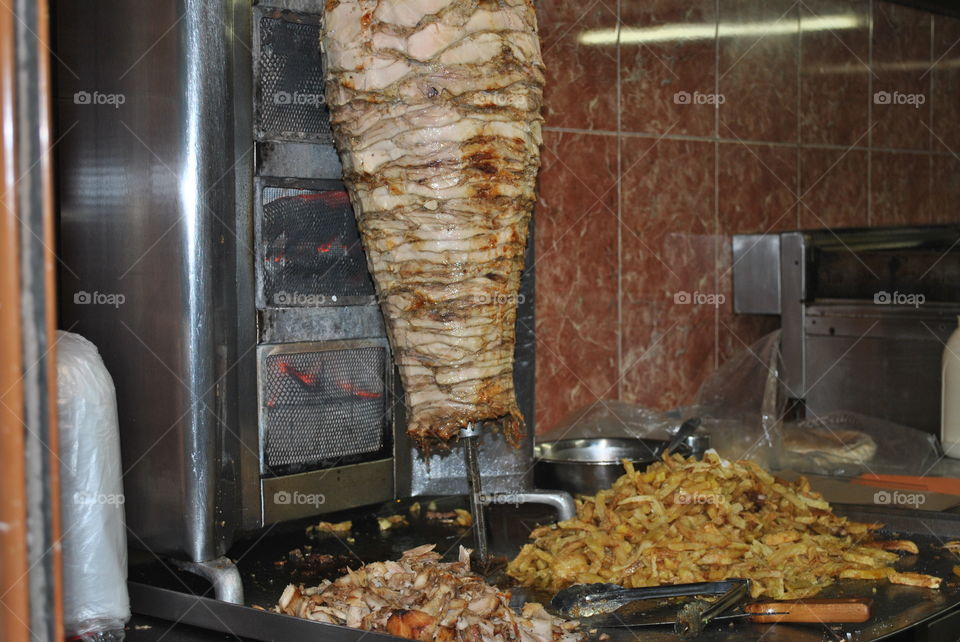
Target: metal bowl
[585,466]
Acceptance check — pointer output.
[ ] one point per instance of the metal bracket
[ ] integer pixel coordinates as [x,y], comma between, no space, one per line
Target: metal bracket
[222,573]
[560,500]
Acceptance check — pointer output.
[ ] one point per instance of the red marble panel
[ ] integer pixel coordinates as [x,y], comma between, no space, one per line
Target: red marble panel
[901,86]
[667,70]
[835,72]
[757,188]
[668,234]
[901,189]
[581,89]
[945,192]
[668,350]
[945,74]
[576,254]
[758,69]
[833,188]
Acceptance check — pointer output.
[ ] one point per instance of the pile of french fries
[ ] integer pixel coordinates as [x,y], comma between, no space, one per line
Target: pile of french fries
[684,520]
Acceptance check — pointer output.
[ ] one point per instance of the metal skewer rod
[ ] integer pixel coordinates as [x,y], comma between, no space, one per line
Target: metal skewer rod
[470,437]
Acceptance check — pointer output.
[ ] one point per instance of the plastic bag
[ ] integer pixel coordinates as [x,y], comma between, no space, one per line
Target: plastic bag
[742,404]
[95,602]
[850,444]
[611,419]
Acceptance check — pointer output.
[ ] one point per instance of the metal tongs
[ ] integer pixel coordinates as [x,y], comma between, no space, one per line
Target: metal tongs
[587,601]
[684,432]
[594,606]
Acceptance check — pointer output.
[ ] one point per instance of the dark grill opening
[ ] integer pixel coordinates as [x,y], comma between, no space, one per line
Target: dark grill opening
[310,249]
[290,103]
[324,408]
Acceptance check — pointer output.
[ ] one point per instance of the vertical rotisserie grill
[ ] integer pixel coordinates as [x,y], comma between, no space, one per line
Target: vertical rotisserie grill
[311,250]
[250,358]
[323,407]
[291,82]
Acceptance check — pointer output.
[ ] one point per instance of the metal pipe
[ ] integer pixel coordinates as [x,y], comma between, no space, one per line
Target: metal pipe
[470,436]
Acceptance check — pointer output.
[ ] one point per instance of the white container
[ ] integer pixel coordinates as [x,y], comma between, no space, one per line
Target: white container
[950,399]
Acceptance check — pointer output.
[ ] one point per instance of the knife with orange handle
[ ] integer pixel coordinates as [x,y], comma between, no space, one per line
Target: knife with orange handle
[836,611]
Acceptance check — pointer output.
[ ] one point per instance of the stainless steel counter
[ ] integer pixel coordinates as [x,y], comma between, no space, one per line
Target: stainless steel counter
[267,567]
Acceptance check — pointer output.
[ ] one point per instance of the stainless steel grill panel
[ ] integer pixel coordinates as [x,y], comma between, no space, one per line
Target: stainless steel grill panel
[323,406]
[290,102]
[310,249]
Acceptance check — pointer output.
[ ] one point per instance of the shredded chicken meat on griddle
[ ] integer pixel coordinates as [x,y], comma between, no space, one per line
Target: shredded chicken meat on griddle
[435,109]
[420,598]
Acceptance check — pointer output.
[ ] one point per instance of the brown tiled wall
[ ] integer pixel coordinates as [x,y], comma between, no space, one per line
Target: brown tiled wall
[641,189]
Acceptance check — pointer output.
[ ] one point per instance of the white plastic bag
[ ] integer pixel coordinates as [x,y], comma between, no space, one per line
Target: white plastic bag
[95,600]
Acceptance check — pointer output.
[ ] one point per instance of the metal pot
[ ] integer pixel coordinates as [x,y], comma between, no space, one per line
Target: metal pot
[585,466]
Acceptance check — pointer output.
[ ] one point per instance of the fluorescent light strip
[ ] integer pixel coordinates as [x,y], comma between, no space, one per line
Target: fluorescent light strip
[680,32]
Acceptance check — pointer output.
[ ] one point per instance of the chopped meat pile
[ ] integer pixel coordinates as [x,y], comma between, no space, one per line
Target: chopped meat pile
[420,598]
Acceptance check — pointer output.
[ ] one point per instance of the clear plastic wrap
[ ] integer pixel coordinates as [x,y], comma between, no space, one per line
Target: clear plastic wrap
[742,406]
[96,605]
[849,444]
[742,403]
[612,419]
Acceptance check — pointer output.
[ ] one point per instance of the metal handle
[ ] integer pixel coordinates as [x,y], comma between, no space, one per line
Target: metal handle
[558,499]
[685,430]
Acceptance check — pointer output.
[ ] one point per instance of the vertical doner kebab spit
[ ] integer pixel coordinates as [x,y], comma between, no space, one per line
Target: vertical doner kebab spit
[435,108]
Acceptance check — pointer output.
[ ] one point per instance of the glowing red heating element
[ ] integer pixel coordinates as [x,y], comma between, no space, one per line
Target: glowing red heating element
[308,379]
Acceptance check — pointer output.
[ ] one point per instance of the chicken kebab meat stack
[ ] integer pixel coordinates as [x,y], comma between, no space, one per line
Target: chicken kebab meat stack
[435,109]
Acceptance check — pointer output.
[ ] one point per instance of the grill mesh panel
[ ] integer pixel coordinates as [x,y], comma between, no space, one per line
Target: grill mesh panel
[324,406]
[311,248]
[290,89]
